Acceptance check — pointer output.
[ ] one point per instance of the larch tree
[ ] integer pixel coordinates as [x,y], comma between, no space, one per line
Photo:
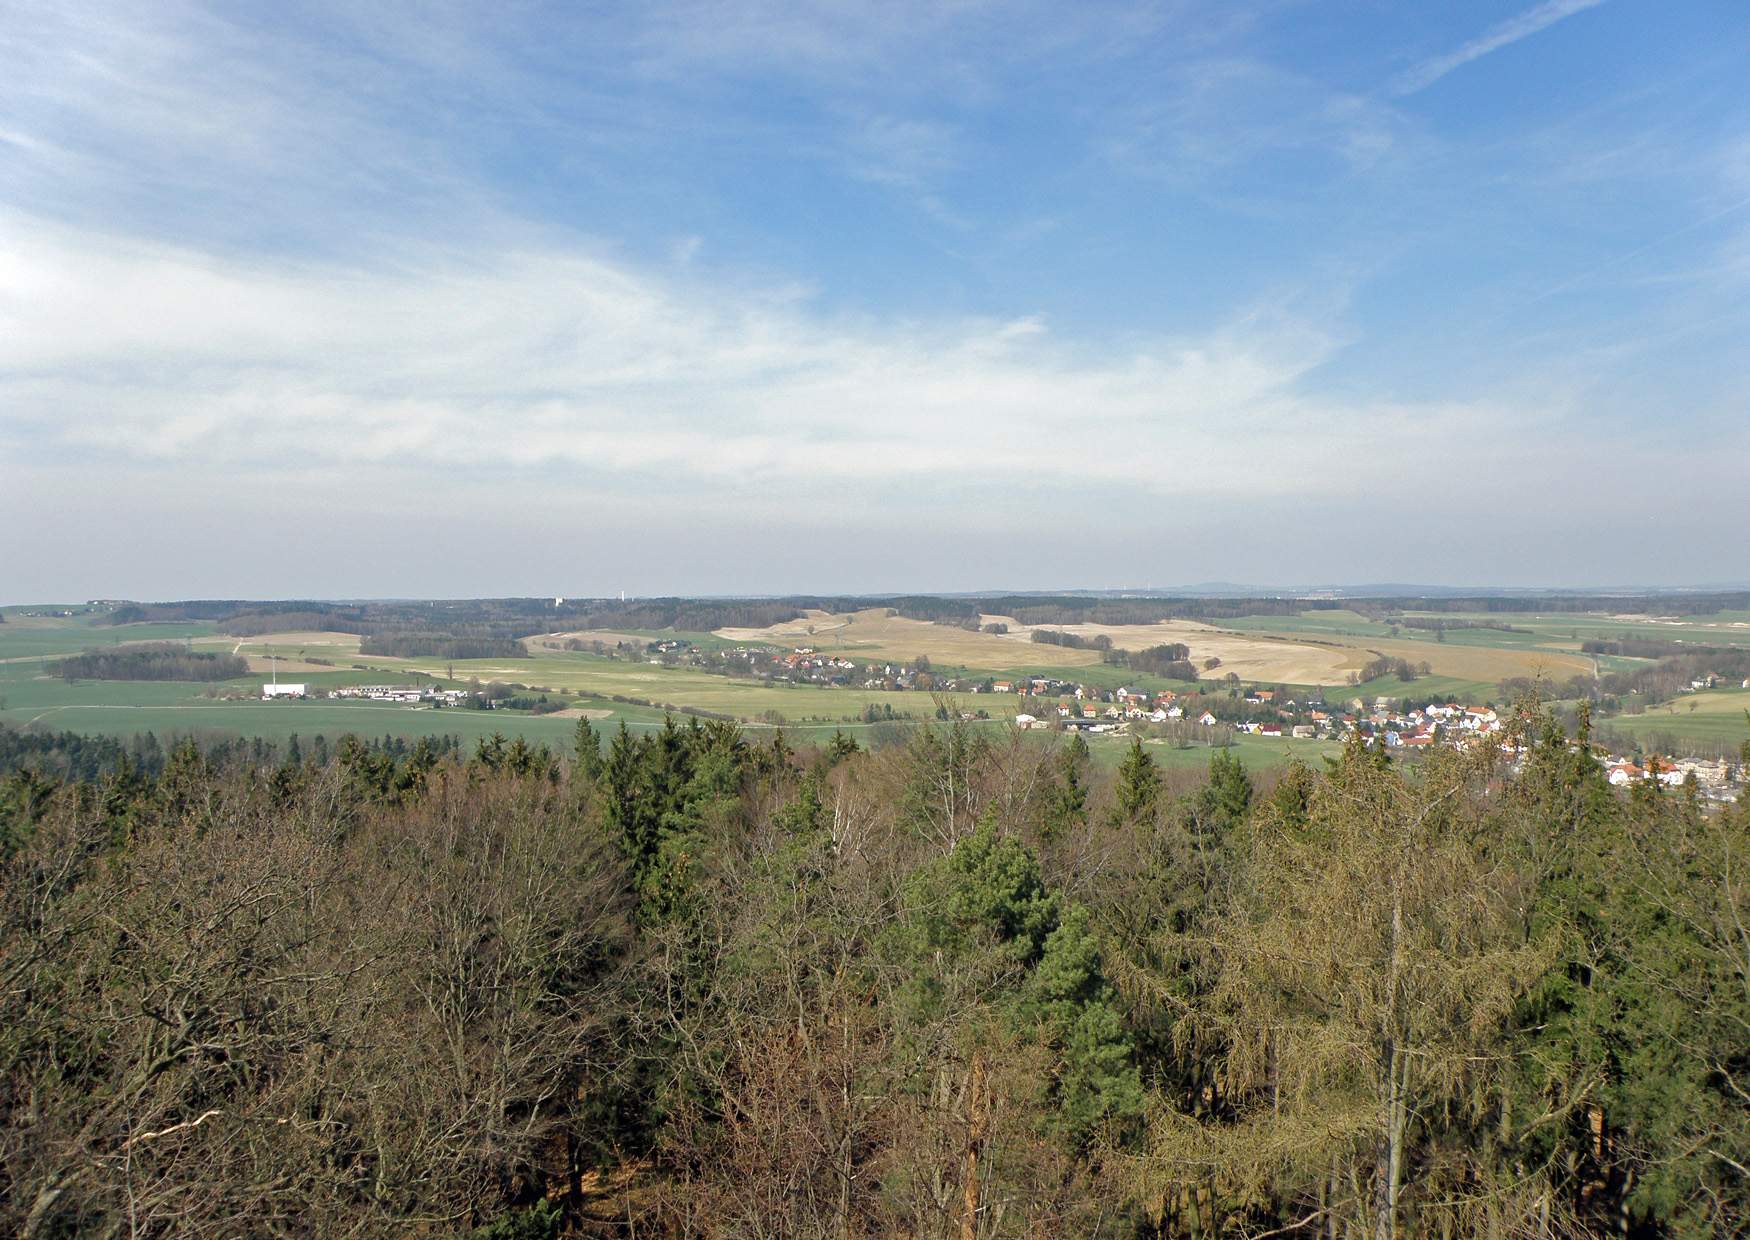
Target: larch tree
[1364,978]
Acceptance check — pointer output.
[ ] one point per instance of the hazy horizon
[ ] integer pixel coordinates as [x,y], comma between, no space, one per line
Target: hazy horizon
[1210,589]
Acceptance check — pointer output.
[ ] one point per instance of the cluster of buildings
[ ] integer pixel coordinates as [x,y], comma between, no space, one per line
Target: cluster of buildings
[1714,777]
[803,664]
[402,693]
[411,694]
[1392,728]
[1429,726]
[807,659]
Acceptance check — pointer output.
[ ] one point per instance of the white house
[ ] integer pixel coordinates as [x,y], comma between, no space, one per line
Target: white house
[284,691]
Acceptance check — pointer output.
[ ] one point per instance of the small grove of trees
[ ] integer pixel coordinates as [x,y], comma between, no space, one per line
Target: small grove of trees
[1385,665]
[150,661]
[1172,661]
[1072,641]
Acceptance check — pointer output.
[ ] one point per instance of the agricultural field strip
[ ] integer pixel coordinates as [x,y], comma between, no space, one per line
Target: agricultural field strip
[882,637]
[874,635]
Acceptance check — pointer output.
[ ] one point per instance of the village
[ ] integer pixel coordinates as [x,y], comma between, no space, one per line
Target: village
[1057,704]
[1409,731]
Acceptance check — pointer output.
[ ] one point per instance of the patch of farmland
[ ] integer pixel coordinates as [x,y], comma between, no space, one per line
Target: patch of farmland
[1250,656]
[873,634]
[1711,722]
[1484,663]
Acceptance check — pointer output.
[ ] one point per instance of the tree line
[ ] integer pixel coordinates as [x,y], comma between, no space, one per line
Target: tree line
[442,645]
[692,982]
[150,661]
[1386,665]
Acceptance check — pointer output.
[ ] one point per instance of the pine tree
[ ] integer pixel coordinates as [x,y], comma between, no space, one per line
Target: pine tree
[587,753]
[1067,802]
[1137,797]
[840,747]
[1227,797]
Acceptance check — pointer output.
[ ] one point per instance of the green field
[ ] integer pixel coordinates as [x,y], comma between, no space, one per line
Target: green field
[1713,720]
[1256,752]
[22,638]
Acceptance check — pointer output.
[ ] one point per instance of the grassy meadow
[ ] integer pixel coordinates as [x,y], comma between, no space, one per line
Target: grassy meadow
[1712,719]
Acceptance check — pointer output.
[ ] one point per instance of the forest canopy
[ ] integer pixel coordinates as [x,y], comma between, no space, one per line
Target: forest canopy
[698,981]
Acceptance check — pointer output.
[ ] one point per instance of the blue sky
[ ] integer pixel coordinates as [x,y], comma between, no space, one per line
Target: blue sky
[454,299]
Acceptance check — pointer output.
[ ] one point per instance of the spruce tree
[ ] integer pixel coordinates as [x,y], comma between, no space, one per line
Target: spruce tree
[1067,802]
[587,751]
[1137,796]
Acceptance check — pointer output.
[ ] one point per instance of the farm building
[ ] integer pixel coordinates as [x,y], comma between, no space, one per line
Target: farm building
[282,691]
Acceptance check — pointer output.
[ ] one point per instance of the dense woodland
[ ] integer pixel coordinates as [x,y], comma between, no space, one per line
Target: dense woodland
[447,645]
[694,984]
[150,661]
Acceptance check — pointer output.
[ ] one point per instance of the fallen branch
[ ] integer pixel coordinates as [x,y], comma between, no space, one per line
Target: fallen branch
[165,1132]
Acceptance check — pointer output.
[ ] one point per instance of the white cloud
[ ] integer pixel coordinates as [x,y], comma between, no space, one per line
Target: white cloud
[1221,120]
[1504,34]
[531,361]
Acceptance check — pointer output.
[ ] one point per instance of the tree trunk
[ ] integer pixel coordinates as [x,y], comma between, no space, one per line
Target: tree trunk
[1389,1169]
[976,1117]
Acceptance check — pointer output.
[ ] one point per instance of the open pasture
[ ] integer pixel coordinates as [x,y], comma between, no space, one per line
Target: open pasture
[1258,753]
[1713,720]
[25,637]
[1566,630]
[280,720]
[1422,690]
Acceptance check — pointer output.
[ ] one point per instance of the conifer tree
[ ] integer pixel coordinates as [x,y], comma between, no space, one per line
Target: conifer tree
[587,752]
[1067,801]
[1137,796]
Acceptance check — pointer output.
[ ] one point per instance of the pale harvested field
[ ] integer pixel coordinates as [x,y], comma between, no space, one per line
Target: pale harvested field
[265,665]
[556,641]
[1248,655]
[1485,663]
[286,647]
[320,643]
[873,634]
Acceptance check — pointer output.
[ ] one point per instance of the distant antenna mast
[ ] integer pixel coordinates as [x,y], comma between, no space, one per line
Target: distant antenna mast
[273,662]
